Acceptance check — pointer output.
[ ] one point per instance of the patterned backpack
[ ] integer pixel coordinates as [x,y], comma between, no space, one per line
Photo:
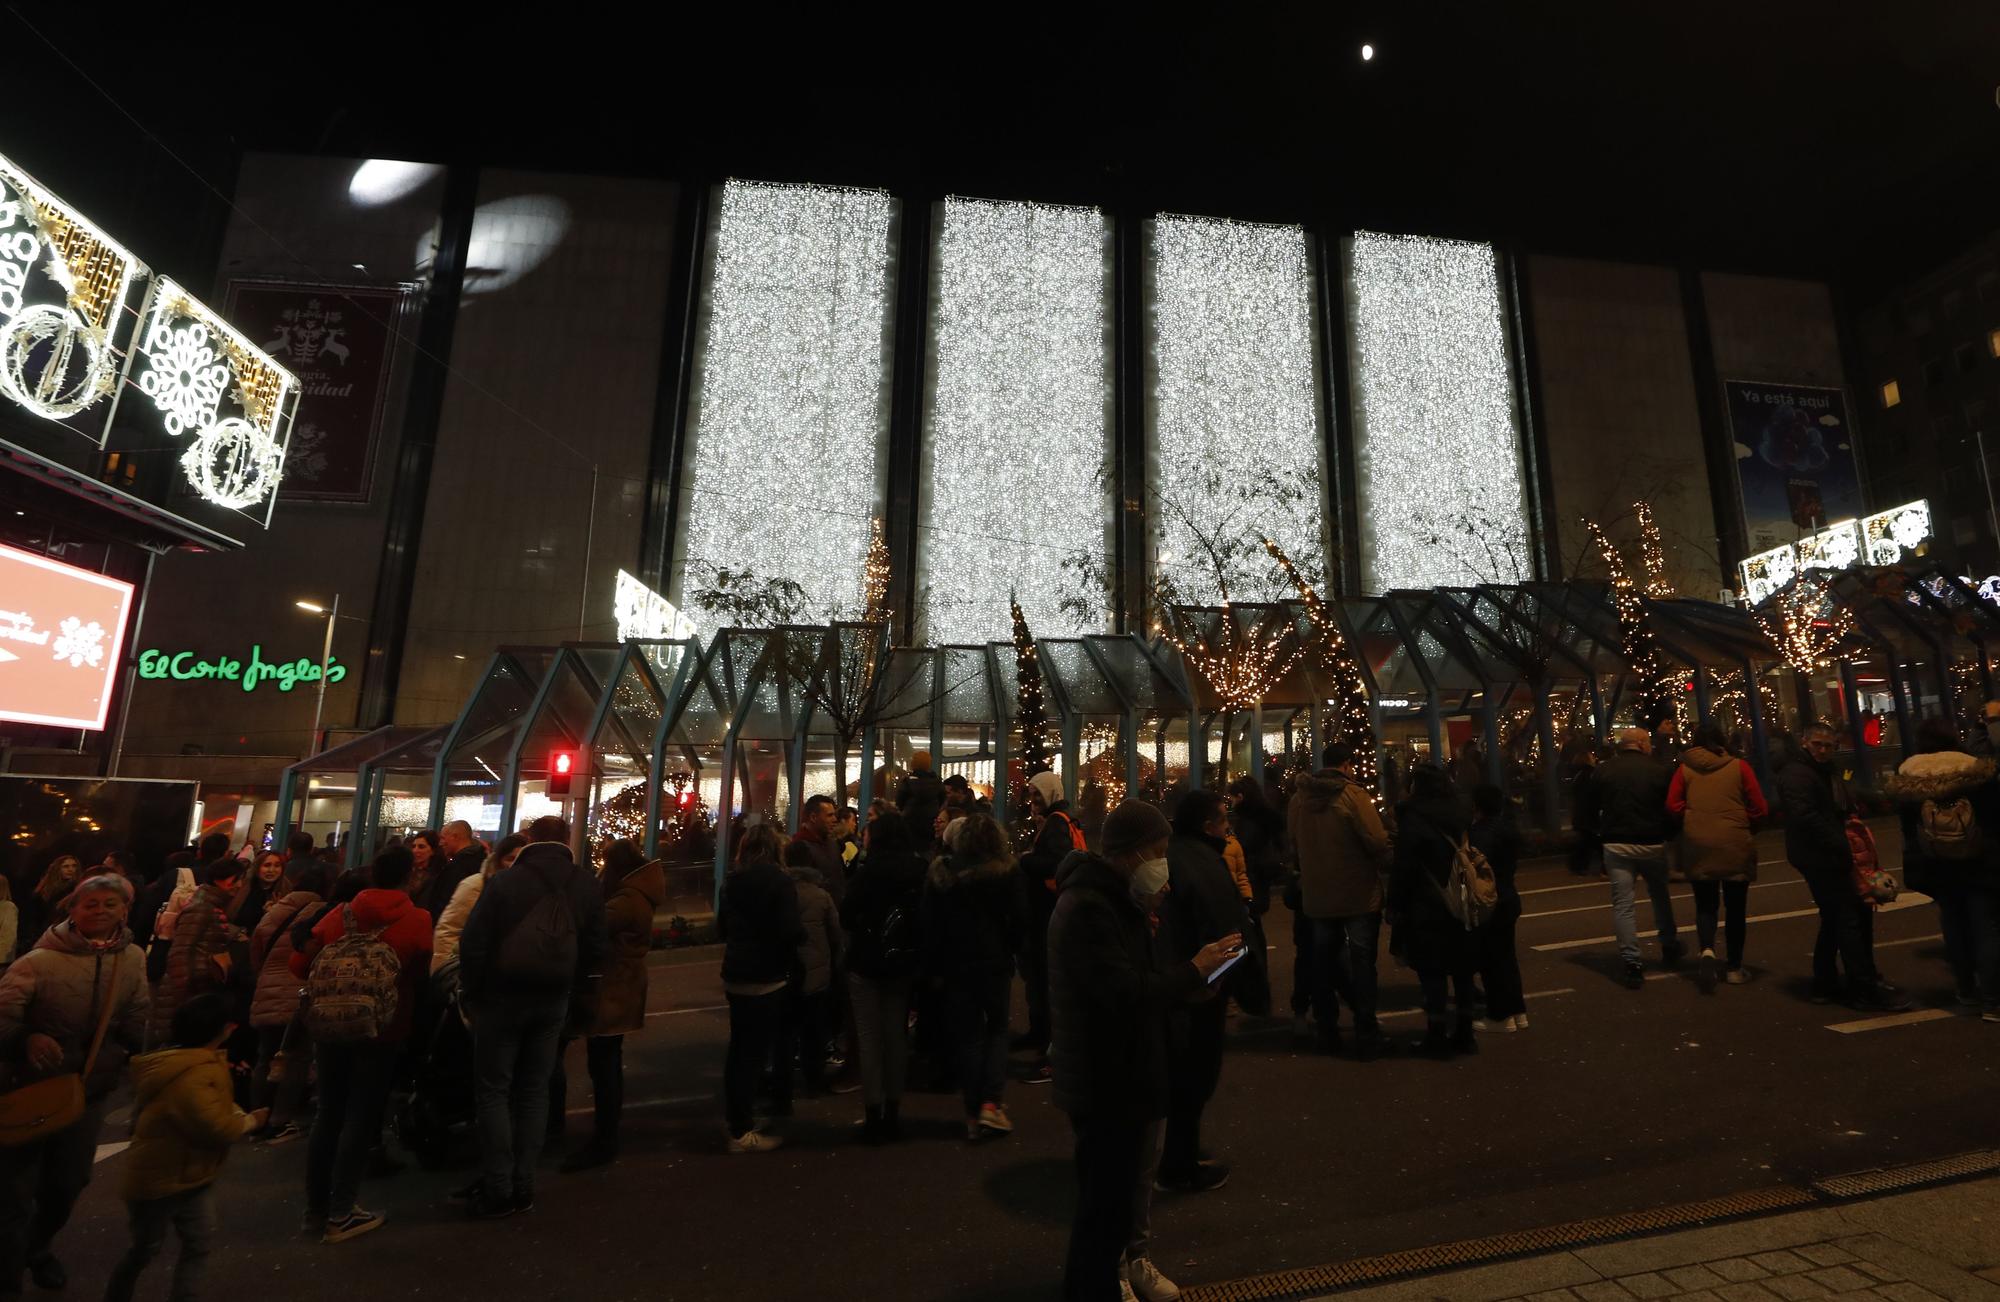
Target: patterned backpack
[351,991]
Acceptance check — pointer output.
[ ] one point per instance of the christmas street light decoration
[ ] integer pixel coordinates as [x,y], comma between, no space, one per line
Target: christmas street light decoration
[1354,723]
[1241,665]
[1806,624]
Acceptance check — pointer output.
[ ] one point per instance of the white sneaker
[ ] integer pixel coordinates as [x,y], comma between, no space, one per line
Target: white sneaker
[752,1141]
[1520,1021]
[1497,1024]
[1125,1293]
[1145,1279]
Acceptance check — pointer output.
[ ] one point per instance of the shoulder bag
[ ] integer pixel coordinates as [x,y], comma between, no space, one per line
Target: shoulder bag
[48,1106]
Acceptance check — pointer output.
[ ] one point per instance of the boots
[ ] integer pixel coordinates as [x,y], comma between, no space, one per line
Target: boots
[1462,1040]
[1435,1044]
[872,1131]
[892,1120]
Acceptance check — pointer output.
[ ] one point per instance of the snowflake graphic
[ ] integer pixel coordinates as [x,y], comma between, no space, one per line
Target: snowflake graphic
[185,379]
[80,643]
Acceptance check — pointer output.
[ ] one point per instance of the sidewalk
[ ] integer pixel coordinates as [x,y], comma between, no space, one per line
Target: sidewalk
[1933,1243]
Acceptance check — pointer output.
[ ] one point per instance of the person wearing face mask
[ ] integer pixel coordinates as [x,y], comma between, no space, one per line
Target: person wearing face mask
[1110,991]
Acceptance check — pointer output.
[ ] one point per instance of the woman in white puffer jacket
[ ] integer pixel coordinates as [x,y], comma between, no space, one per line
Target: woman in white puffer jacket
[444,939]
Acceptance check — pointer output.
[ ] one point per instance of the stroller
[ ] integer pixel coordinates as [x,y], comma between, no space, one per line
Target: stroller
[438,1110]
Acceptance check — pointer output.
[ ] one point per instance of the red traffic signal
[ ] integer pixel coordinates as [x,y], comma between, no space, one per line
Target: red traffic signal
[561,764]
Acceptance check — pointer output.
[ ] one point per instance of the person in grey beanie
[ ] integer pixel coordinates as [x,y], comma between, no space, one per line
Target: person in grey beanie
[1109,995]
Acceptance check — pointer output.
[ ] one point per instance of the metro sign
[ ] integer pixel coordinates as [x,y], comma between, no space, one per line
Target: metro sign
[62,633]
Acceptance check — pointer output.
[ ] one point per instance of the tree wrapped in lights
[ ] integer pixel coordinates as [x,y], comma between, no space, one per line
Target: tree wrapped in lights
[875,577]
[1806,624]
[1651,554]
[1353,724]
[684,817]
[1241,665]
[1635,630]
[1032,711]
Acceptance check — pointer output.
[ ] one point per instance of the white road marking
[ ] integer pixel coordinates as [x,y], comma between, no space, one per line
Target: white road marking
[1908,900]
[649,1103]
[1907,940]
[110,1150]
[1597,879]
[1894,1019]
[1645,899]
[675,1012]
[1532,994]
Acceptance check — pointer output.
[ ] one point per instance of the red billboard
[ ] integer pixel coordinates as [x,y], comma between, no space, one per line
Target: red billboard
[62,631]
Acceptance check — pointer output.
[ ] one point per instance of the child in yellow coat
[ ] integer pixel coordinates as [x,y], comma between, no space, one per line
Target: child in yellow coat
[184,1120]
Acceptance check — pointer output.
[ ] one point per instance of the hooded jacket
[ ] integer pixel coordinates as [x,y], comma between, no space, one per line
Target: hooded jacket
[1340,844]
[1109,996]
[1815,824]
[405,928]
[883,886]
[758,924]
[505,901]
[54,990]
[276,1000]
[1428,829]
[1944,777]
[1718,798]
[1204,904]
[619,1003]
[919,799]
[202,934]
[975,916]
[184,1118]
[819,917]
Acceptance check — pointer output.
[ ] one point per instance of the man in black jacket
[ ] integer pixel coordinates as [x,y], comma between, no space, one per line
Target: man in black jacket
[1816,844]
[529,945]
[920,797]
[1202,906]
[1626,800]
[463,856]
[1109,995]
[1055,837]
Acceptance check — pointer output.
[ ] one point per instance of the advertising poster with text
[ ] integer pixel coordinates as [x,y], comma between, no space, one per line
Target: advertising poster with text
[62,631]
[340,341]
[1794,460]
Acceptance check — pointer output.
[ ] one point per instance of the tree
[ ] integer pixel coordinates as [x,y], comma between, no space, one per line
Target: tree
[1033,711]
[1354,724]
[1640,646]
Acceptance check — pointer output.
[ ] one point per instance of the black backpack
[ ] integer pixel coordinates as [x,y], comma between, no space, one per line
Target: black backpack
[541,949]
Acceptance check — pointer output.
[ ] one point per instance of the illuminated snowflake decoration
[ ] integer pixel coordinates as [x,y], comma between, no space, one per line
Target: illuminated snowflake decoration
[1019,410]
[184,377]
[1439,451]
[74,373]
[79,643]
[787,457]
[1833,548]
[234,464]
[1766,572]
[1888,534]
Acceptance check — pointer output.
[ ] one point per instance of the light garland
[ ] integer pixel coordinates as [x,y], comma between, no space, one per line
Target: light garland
[1233,391]
[1640,647]
[1651,554]
[1766,572]
[1833,548]
[1355,724]
[1031,713]
[1242,666]
[875,577]
[788,430]
[1806,625]
[1018,436]
[1888,534]
[1438,453]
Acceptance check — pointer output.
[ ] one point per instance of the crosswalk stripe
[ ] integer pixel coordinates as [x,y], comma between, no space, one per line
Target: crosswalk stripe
[1908,900]
[1893,1019]
[1646,900]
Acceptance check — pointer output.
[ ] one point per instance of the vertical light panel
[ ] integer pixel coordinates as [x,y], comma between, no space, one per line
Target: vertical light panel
[1018,436]
[785,470]
[1235,413]
[1437,451]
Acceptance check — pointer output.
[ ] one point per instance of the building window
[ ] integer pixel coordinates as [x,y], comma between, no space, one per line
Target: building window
[1891,394]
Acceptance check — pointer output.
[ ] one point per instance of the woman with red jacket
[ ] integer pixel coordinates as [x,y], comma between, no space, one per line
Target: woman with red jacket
[1717,796]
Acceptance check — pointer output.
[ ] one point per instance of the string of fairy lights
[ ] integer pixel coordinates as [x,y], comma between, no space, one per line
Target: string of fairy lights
[1355,723]
[1805,624]
[1032,708]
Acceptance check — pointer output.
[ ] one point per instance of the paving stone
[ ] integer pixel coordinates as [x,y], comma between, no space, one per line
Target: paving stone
[1748,1291]
[1795,1287]
[1701,1295]
[1738,1270]
[1781,1263]
[1606,1290]
[1648,1285]
[1840,1279]
[1688,1279]
[1904,1291]
[1883,1274]
[1551,1295]
[1825,1254]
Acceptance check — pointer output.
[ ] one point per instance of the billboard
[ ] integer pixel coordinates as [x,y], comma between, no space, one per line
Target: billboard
[62,630]
[1795,461]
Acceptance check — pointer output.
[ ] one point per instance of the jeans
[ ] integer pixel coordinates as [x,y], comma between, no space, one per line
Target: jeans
[191,1214]
[1969,917]
[354,1084]
[978,1003]
[754,1024]
[1344,953]
[1305,970]
[39,1186]
[802,1038]
[1111,1155]
[1709,897]
[1846,932]
[604,1059]
[1444,988]
[1152,1144]
[1194,1065]
[1499,965]
[513,1056]
[882,1036]
[1623,865]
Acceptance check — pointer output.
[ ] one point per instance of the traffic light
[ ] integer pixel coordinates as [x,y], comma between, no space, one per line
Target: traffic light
[561,764]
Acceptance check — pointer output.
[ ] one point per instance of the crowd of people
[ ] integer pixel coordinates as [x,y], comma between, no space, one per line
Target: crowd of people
[277,996]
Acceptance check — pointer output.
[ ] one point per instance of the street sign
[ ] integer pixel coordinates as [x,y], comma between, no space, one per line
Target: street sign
[62,631]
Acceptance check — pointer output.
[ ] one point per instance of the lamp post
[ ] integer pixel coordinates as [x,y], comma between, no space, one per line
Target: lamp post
[325,658]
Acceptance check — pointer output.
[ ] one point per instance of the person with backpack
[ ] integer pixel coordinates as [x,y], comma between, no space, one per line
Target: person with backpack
[1432,854]
[1949,802]
[1716,796]
[184,1121]
[1816,843]
[882,917]
[203,945]
[1056,836]
[1341,849]
[523,961]
[363,965]
[1626,800]
[633,890]
[758,923]
[274,1005]
[1495,835]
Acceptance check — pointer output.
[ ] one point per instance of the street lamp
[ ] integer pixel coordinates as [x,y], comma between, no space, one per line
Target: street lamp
[325,655]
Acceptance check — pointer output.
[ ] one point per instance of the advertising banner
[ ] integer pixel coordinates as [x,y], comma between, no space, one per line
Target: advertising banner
[340,341]
[1795,460]
[62,630]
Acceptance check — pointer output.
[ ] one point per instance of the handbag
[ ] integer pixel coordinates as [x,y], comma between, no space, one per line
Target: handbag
[49,1106]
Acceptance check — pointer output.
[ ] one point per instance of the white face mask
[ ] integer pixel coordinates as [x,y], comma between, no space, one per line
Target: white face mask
[1149,879]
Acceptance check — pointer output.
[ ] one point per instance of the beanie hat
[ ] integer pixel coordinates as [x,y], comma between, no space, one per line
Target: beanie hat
[1132,825]
[1048,786]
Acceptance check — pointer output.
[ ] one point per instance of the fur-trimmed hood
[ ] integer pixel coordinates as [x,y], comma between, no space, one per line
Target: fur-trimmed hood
[1938,776]
[947,872]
